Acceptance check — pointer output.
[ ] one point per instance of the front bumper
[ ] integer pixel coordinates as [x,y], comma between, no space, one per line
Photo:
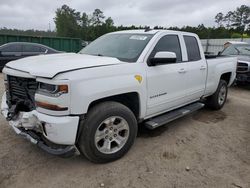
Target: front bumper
[59,130]
[243,77]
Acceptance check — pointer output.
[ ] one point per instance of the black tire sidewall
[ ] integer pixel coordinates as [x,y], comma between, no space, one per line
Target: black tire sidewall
[95,117]
[214,100]
[222,83]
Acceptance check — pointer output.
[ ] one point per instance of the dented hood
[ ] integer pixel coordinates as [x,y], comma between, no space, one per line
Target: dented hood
[50,65]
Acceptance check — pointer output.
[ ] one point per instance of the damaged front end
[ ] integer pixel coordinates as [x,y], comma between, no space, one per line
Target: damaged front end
[20,95]
[19,108]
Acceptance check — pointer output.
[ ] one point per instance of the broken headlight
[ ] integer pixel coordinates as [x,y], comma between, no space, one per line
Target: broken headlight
[52,90]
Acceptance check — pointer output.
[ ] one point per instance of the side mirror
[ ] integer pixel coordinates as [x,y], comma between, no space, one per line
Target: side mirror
[219,53]
[46,51]
[163,58]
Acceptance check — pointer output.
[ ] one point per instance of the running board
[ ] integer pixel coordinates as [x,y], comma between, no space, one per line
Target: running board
[173,115]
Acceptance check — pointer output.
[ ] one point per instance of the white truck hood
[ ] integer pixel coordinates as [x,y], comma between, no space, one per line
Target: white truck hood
[50,65]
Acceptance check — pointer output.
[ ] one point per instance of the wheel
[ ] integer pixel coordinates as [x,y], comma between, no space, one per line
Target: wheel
[218,99]
[108,132]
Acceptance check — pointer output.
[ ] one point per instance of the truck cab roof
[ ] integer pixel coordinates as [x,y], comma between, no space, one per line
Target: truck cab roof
[154,31]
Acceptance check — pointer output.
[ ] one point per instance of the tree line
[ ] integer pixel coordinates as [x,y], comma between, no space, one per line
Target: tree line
[72,23]
[30,32]
[238,19]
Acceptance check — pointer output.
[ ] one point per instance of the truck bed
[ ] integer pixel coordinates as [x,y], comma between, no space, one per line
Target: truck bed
[217,66]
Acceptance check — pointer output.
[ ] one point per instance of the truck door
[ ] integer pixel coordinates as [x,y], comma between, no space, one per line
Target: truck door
[166,83]
[196,68]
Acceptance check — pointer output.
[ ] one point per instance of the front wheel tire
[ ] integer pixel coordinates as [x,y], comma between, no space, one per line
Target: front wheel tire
[108,132]
[218,99]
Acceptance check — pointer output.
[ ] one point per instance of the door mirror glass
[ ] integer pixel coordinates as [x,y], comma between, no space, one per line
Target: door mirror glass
[163,58]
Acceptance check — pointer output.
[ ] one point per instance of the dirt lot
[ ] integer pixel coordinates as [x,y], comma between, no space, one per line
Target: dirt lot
[214,145]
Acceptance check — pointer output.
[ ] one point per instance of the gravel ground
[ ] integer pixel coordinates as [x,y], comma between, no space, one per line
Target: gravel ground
[205,149]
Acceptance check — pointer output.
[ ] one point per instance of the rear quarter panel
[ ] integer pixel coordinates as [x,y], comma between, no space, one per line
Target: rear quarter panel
[216,68]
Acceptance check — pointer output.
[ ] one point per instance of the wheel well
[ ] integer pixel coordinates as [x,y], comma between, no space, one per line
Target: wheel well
[226,77]
[131,100]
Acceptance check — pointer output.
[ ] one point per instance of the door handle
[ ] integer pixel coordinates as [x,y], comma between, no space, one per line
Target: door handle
[203,68]
[182,70]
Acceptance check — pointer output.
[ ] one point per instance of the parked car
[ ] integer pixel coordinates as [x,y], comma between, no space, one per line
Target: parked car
[241,50]
[94,100]
[16,50]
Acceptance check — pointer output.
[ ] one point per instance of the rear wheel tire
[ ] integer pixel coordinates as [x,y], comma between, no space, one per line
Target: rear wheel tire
[218,99]
[108,132]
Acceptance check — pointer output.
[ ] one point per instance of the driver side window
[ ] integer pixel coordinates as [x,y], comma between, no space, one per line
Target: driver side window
[168,43]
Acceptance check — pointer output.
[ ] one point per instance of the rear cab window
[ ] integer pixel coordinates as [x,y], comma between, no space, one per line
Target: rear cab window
[193,50]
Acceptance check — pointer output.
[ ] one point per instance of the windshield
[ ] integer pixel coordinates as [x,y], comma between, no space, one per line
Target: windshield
[240,49]
[125,47]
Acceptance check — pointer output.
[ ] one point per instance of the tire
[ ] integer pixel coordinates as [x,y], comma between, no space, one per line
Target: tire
[218,99]
[98,142]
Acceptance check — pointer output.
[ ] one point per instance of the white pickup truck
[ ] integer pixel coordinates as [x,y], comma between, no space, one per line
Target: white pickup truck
[92,101]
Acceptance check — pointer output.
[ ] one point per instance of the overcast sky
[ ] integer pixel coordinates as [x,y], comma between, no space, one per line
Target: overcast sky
[38,14]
